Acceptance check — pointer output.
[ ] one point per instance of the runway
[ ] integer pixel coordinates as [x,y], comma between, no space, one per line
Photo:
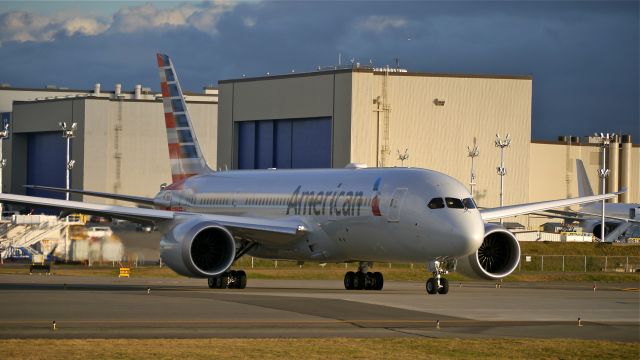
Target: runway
[99,307]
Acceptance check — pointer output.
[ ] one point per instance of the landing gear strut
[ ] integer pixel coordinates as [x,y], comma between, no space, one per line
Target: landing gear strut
[363,279]
[437,284]
[233,279]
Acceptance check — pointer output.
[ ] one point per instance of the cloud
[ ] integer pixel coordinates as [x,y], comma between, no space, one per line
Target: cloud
[378,24]
[583,56]
[24,26]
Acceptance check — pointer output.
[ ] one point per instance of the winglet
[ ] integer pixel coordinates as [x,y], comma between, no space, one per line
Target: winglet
[184,151]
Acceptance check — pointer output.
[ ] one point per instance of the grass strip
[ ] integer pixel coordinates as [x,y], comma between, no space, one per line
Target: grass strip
[333,348]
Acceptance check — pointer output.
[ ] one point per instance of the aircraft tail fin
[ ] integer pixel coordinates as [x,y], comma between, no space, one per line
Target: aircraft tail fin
[584,187]
[184,151]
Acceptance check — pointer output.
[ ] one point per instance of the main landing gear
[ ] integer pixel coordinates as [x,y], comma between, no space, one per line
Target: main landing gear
[363,279]
[233,279]
[437,284]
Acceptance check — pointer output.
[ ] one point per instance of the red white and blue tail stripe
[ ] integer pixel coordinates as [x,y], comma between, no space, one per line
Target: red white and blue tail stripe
[184,152]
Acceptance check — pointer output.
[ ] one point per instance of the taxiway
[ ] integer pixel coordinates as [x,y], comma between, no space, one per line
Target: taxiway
[99,307]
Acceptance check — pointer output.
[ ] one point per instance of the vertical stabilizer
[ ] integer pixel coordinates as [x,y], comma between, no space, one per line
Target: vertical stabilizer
[584,187]
[184,152]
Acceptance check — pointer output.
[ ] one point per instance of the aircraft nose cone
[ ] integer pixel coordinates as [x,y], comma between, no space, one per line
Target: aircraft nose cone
[468,233]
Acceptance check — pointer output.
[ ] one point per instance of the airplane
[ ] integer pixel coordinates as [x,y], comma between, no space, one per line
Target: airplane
[210,219]
[620,218]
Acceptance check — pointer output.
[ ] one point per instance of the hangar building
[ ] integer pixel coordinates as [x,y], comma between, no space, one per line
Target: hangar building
[120,145]
[327,118]
[359,115]
[378,116]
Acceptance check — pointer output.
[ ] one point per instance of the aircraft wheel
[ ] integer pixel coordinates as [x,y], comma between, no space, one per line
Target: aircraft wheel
[241,279]
[222,281]
[432,286]
[349,278]
[444,286]
[379,280]
[233,275]
[211,282]
[369,281]
[359,281]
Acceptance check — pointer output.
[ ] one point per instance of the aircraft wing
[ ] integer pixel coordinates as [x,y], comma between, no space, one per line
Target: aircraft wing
[513,210]
[130,198]
[261,230]
[581,215]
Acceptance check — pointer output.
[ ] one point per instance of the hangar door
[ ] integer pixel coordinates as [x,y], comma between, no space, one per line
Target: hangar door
[285,144]
[46,162]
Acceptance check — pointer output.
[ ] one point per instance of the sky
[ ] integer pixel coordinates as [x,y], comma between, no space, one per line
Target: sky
[584,56]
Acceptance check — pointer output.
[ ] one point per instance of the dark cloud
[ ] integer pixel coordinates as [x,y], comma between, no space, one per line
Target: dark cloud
[583,56]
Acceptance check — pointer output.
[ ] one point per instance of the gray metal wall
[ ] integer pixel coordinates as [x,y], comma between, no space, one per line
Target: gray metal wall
[120,146]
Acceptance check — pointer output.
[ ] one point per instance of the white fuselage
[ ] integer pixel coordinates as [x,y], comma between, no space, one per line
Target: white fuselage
[376,214]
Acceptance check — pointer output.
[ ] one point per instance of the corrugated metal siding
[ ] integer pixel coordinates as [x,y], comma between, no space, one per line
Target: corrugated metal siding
[553,171]
[436,136]
[144,161]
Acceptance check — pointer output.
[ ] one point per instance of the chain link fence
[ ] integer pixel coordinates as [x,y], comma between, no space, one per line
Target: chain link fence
[579,263]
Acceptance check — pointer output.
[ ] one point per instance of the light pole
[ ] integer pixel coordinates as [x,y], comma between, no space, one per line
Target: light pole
[605,141]
[3,162]
[473,153]
[403,157]
[502,171]
[68,132]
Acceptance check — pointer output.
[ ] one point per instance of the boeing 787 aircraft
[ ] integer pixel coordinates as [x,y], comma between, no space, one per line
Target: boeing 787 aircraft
[364,215]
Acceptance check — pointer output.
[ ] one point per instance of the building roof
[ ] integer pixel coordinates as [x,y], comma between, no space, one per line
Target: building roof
[375,71]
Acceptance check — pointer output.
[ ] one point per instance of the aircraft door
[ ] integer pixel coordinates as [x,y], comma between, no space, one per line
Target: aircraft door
[395,204]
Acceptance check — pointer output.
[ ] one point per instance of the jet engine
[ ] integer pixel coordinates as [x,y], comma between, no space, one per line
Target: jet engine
[497,257]
[594,226]
[198,248]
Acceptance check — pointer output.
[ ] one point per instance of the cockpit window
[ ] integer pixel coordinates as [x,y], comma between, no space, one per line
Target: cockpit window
[454,203]
[469,203]
[436,203]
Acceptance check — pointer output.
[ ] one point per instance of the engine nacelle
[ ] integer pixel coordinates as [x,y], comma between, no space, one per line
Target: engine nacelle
[497,257]
[594,226]
[197,248]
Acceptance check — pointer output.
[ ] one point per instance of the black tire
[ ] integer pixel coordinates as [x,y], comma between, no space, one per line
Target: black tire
[444,286]
[379,280]
[432,286]
[233,275]
[358,281]
[348,280]
[369,281]
[242,279]
[222,281]
[211,282]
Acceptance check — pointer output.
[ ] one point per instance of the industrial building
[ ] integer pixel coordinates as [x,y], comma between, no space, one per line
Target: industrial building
[119,146]
[328,118]
[379,116]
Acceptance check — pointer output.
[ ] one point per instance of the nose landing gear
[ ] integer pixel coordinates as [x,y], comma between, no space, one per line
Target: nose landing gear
[363,279]
[437,284]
